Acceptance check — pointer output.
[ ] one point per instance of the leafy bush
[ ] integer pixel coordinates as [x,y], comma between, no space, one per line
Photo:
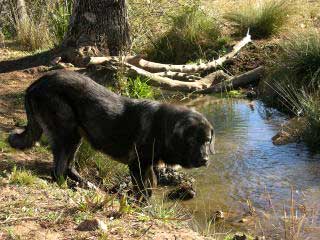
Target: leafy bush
[193,35]
[263,18]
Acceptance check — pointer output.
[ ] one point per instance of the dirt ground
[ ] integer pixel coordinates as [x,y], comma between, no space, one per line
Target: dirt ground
[43,210]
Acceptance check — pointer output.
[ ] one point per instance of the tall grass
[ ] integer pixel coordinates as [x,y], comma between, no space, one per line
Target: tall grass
[59,20]
[193,35]
[295,76]
[299,58]
[264,18]
[33,36]
[45,26]
[303,103]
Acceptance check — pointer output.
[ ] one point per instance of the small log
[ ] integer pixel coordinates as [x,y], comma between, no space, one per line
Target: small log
[238,81]
[216,77]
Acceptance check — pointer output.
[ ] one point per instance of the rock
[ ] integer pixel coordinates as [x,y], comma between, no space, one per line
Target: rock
[183,192]
[239,237]
[251,94]
[290,132]
[169,177]
[92,225]
[217,216]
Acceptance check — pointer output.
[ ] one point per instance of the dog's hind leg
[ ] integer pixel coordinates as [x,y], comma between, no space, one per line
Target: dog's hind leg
[72,172]
[58,121]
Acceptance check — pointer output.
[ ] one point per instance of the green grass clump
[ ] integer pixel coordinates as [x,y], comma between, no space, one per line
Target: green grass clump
[59,20]
[263,18]
[193,34]
[22,177]
[299,59]
[138,88]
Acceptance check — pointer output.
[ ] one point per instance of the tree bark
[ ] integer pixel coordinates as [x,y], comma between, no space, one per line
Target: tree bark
[97,28]
[21,11]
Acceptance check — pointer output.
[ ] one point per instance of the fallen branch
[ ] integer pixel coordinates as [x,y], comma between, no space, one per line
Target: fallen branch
[167,83]
[179,76]
[190,68]
[154,67]
[238,81]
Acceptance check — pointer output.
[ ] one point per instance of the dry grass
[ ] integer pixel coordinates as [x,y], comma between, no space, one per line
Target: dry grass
[263,18]
[33,36]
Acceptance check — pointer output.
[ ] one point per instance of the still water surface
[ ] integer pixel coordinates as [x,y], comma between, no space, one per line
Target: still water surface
[247,166]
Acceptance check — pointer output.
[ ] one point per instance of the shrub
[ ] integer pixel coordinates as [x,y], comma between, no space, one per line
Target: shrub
[193,35]
[263,18]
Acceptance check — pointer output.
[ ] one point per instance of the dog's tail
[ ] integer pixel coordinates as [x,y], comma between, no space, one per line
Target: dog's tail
[31,133]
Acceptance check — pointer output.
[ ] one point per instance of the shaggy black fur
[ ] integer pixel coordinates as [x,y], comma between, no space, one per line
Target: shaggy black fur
[67,106]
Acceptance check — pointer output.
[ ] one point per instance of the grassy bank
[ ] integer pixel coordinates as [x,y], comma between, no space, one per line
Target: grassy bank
[166,31]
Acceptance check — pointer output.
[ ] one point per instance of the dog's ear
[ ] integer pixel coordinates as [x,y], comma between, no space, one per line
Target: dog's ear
[184,127]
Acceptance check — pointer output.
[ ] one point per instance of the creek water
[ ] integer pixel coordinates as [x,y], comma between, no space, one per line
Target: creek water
[248,171]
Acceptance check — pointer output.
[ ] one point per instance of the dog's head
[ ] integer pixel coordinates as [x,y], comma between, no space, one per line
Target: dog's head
[191,141]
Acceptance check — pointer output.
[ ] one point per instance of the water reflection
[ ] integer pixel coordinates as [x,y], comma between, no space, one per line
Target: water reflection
[246,164]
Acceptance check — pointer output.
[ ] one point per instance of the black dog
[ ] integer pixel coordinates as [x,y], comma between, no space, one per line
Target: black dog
[67,106]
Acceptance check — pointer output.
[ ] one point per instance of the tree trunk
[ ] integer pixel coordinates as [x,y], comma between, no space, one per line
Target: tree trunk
[21,11]
[97,28]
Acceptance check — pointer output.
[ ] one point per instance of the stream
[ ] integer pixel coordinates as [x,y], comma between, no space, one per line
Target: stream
[250,174]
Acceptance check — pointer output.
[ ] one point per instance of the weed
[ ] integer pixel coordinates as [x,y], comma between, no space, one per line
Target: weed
[22,177]
[165,211]
[263,18]
[93,201]
[4,146]
[235,94]
[80,217]
[138,88]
